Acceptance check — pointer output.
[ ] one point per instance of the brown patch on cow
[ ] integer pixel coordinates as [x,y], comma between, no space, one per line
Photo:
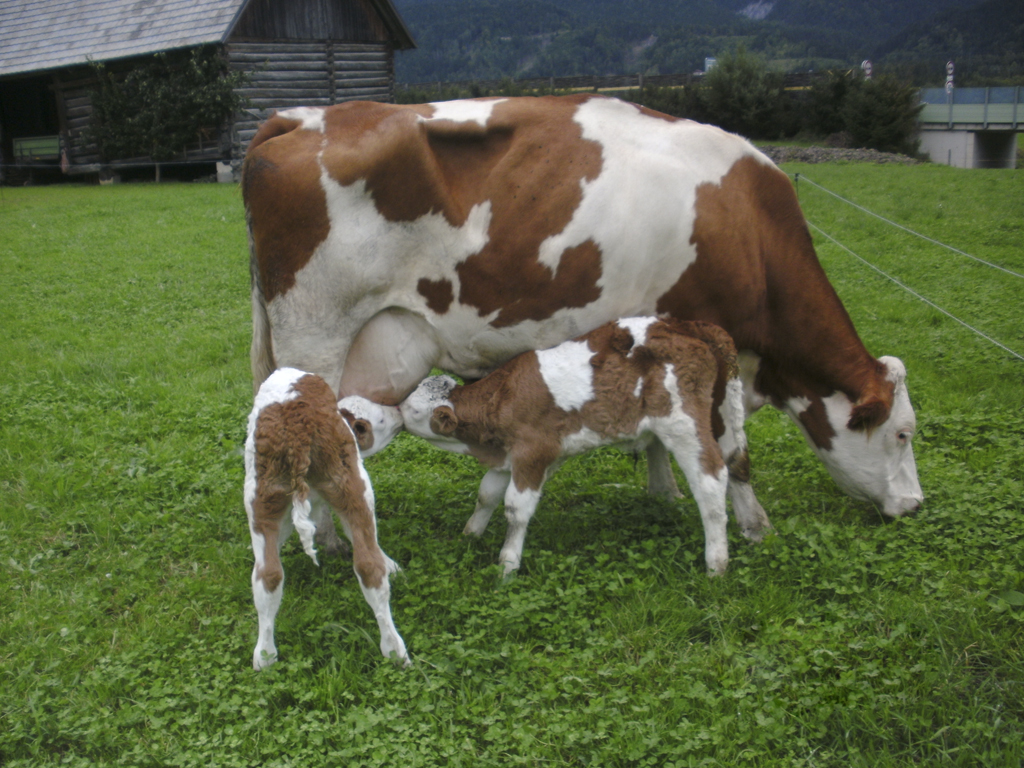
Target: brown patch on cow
[305,443]
[536,187]
[815,420]
[757,276]
[285,204]
[574,284]
[438,293]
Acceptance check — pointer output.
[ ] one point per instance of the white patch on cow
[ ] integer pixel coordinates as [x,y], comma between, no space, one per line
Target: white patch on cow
[643,162]
[639,388]
[874,465]
[567,373]
[464,111]
[312,118]
[637,327]
[366,260]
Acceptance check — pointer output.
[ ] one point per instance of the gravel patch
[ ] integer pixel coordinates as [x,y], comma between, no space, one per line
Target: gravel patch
[833,155]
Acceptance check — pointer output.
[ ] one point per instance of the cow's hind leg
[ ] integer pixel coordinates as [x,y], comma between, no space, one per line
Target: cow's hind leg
[269,526]
[750,515]
[661,481]
[492,489]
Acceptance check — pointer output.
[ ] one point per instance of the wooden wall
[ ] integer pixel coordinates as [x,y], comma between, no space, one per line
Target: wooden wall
[353,21]
[287,74]
[72,89]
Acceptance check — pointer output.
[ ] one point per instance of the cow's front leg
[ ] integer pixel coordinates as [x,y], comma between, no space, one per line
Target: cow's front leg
[661,481]
[269,527]
[492,489]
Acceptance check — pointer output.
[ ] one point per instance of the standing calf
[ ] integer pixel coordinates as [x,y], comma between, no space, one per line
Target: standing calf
[299,444]
[636,382]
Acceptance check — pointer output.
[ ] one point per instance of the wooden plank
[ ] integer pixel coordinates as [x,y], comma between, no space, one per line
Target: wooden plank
[279,58]
[288,76]
[362,82]
[288,93]
[285,47]
[283,103]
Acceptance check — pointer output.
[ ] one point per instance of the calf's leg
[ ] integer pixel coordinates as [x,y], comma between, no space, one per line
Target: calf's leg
[269,527]
[371,565]
[520,504]
[708,478]
[492,489]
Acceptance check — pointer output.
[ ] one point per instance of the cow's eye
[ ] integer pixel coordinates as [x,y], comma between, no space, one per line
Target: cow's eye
[904,437]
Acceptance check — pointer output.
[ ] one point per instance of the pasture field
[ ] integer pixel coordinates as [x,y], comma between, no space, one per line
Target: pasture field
[845,639]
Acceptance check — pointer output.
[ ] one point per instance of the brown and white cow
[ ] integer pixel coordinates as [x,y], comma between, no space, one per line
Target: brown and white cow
[387,239]
[630,384]
[299,449]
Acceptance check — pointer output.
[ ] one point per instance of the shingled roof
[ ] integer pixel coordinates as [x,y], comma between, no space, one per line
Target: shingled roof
[48,34]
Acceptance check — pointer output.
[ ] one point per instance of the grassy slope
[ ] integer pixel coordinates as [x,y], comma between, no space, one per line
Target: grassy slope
[127,626]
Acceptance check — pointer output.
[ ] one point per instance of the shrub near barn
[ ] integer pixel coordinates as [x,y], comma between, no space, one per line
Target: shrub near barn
[161,107]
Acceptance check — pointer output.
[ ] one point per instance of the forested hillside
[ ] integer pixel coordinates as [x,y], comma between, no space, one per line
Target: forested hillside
[985,42]
[489,39]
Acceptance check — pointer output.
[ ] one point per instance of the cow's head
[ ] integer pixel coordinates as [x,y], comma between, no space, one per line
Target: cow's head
[428,412]
[373,425]
[867,445]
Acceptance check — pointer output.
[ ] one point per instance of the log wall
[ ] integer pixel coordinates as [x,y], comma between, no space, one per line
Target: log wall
[285,74]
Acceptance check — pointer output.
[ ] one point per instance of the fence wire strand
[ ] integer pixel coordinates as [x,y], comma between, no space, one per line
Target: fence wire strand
[905,229]
[916,294]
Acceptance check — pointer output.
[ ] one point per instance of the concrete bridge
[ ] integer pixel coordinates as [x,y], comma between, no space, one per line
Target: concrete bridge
[972,127]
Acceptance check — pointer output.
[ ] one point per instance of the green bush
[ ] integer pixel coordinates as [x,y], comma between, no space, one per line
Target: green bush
[740,95]
[882,114]
[163,105]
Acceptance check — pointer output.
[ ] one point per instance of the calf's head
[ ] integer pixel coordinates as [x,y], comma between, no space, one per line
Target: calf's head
[373,424]
[867,446]
[428,412]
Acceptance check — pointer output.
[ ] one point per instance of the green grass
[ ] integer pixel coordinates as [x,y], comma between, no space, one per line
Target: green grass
[846,639]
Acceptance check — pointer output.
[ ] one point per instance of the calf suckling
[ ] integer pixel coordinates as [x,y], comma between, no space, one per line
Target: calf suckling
[631,383]
[300,445]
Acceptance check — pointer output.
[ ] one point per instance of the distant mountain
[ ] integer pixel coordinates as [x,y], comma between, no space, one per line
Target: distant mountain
[986,43]
[490,39]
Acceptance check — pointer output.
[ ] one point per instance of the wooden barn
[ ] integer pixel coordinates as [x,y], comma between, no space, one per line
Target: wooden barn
[296,53]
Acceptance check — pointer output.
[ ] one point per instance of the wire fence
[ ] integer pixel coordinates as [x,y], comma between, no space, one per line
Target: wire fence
[800,177]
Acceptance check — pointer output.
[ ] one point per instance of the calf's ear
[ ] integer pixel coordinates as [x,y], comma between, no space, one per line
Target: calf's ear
[364,434]
[361,428]
[443,420]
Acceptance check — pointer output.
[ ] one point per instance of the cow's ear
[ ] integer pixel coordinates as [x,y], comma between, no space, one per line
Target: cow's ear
[443,420]
[869,414]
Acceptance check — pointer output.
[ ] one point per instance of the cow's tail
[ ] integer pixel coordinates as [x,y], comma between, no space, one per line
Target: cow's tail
[261,353]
